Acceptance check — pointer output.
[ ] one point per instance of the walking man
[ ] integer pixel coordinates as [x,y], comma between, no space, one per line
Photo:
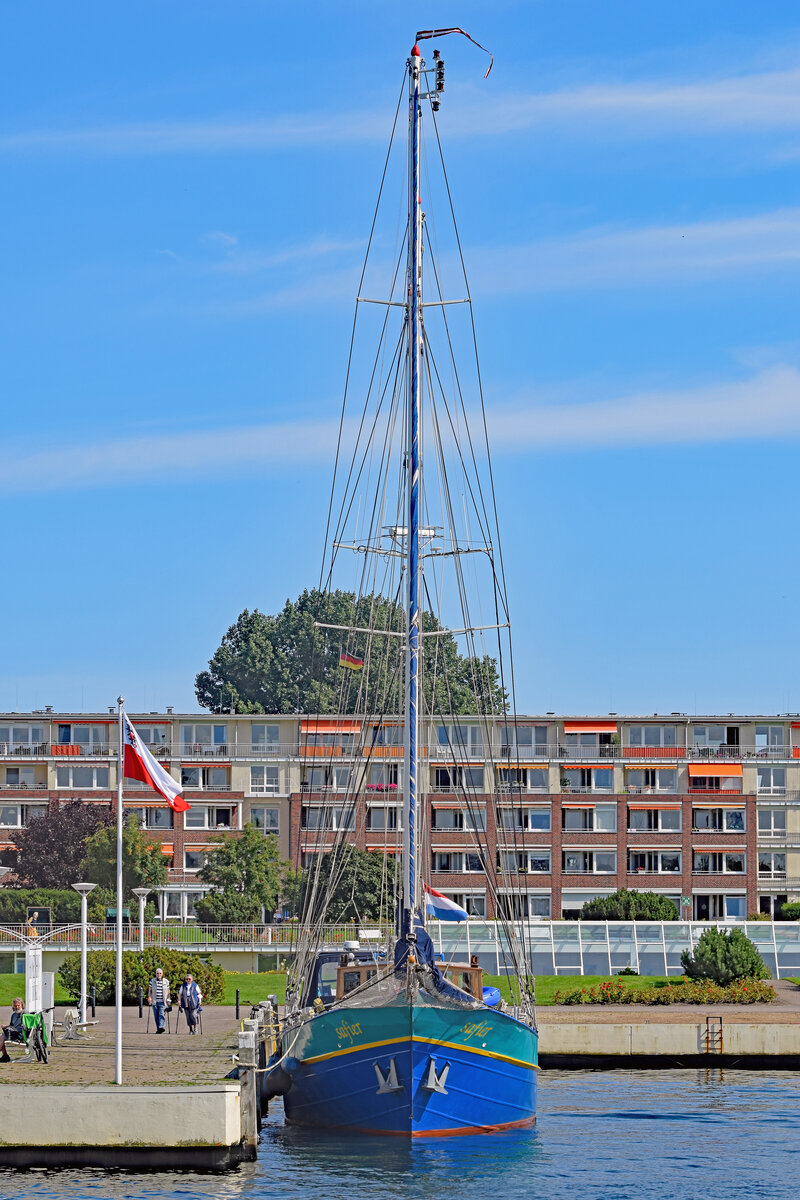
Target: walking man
[158,998]
[189,999]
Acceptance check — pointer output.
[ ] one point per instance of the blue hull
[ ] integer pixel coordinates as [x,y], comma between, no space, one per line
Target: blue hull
[412,1071]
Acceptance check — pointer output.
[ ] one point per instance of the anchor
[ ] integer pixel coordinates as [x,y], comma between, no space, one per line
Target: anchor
[434,1082]
[391,1083]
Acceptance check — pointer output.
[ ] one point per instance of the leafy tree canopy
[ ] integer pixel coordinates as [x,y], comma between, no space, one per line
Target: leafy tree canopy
[142,861]
[51,850]
[724,957]
[625,905]
[248,873]
[286,664]
[361,882]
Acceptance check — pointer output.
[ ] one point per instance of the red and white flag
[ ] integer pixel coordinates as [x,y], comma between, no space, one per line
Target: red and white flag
[140,764]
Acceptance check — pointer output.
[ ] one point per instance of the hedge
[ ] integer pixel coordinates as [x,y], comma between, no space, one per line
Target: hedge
[14,903]
[138,970]
[742,991]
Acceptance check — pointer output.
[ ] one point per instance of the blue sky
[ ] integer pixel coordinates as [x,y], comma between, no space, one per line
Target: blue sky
[187,188]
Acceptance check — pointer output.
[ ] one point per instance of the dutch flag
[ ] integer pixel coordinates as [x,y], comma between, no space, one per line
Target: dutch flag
[442,907]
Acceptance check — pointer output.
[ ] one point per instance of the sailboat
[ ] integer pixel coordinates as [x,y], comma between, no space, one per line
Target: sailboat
[397,1040]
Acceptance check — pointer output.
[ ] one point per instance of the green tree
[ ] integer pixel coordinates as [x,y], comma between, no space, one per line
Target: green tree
[142,861]
[247,873]
[354,885]
[51,849]
[287,664]
[625,905]
[724,957]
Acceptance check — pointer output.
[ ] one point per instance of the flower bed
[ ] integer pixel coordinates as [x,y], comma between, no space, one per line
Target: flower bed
[684,991]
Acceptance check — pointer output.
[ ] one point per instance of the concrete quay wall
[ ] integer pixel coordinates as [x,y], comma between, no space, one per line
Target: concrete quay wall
[577,1043]
[153,1126]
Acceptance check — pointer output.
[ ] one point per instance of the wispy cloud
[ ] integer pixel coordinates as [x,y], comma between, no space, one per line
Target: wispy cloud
[736,104]
[601,257]
[764,406]
[661,253]
[767,405]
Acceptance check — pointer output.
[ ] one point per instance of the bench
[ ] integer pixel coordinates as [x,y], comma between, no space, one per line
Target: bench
[72,1025]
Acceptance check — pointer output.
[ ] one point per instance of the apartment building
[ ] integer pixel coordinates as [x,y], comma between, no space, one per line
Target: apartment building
[705,810]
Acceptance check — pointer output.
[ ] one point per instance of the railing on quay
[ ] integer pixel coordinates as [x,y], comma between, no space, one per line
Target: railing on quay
[554,947]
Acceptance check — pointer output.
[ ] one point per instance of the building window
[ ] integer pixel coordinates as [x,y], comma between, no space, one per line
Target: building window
[474,903]
[589,862]
[654,862]
[523,862]
[265,819]
[720,908]
[520,908]
[82,777]
[523,740]
[714,862]
[316,818]
[771,863]
[453,818]
[153,736]
[152,817]
[522,779]
[382,777]
[265,780]
[21,778]
[652,735]
[771,781]
[461,739]
[265,738]
[319,779]
[388,735]
[652,779]
[601,818]
[715,783]
[22,739]
[769,738]
[644,820]
[92,739]
[10,816]
[536,819]
[207,816]
[204,739]
[458,779]
[445,862]
[383,819]
[210,779]
[714,739]
[194,860]
[589,745]
[587,779]
[772,822]
[718,820]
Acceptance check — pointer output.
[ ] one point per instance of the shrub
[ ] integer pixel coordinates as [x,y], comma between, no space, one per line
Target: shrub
[790,911]
[741,991]
[138,970]
[625,905]
[724,957]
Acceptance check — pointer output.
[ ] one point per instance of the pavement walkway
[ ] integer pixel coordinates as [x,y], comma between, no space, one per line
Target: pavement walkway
[171,1058]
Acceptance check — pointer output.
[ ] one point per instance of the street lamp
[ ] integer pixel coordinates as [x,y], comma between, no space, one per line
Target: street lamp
[83,890]
[142,893]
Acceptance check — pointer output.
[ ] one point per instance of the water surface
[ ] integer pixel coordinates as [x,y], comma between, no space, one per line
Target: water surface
[643,1135]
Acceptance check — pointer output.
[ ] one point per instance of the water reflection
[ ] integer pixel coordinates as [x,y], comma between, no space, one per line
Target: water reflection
[630,1135]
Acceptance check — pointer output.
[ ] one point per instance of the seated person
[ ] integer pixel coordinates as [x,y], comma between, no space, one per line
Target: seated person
[12,1032]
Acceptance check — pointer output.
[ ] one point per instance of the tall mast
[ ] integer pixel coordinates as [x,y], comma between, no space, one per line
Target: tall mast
[413,311]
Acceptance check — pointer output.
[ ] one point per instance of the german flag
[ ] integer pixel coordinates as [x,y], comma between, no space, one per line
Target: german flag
[350,660]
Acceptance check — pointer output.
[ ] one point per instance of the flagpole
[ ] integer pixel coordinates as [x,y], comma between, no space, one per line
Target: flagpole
[118,989]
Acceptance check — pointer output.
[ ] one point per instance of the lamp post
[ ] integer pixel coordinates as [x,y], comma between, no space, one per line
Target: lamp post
[142,893]
[83,890]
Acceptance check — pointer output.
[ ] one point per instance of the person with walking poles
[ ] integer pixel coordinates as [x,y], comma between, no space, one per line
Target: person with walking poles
[158,998]
[189,1001]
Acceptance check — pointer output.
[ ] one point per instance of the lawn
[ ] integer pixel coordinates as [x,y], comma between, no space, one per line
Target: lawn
[258,987]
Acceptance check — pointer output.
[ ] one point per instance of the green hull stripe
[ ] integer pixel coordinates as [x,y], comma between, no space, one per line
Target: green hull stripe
[431,1042]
